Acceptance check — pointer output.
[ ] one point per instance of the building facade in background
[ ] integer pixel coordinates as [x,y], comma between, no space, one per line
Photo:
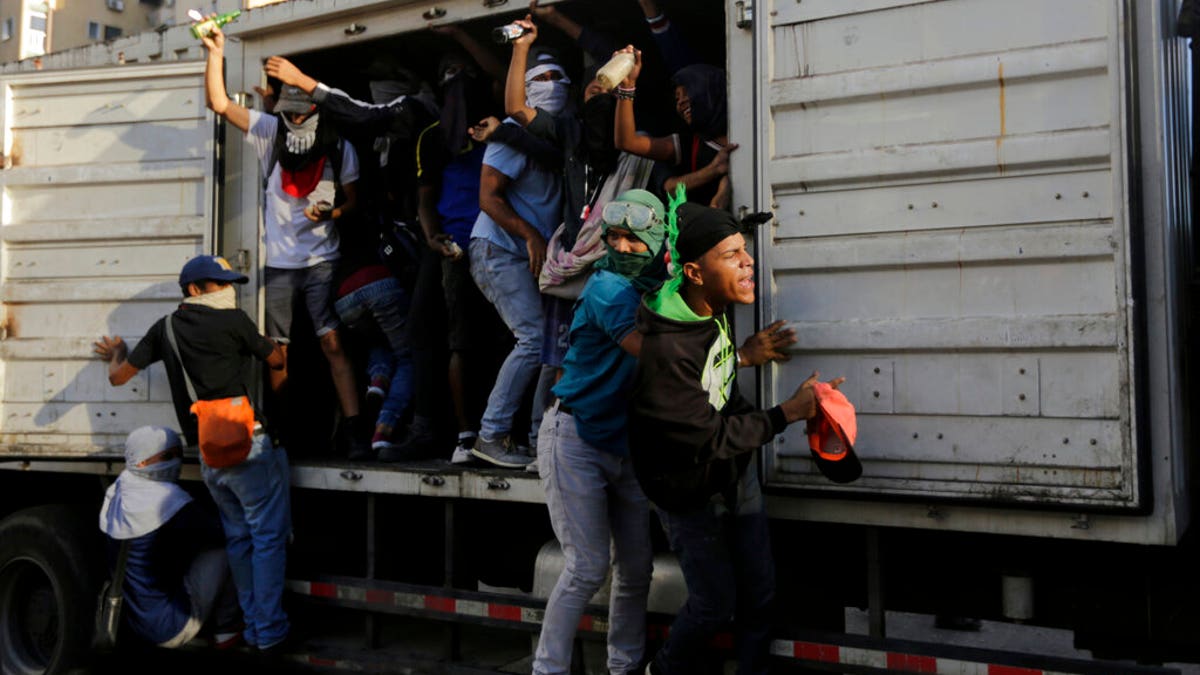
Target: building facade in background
[31,28]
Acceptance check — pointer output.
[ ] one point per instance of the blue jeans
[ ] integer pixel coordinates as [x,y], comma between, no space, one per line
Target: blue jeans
[379,311]
[595,502]
[505,280]
[255,508]
[725,555]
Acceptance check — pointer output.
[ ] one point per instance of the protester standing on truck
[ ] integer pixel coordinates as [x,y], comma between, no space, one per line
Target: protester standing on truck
[591,492]
[520,204]
[374,298]
[211,343]
[307,165]
[176,572]
[692,437]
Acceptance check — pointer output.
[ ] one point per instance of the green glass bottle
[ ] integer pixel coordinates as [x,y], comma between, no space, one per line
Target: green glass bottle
[205,27]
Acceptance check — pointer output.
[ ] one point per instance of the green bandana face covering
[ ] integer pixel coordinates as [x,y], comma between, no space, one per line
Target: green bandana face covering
[628,265]
[648,228]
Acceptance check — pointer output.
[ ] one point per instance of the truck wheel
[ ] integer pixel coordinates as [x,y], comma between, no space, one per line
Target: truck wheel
[47,606]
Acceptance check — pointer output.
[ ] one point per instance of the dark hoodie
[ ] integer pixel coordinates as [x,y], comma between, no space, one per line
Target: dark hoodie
[684,449]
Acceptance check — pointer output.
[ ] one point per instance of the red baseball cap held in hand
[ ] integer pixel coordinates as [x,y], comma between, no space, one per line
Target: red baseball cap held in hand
[831,435]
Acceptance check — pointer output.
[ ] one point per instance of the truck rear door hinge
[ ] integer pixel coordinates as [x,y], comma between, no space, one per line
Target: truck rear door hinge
[743,11]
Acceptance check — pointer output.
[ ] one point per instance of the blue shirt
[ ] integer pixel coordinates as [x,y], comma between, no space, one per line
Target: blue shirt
[534,193]
[459,202]
[598,374]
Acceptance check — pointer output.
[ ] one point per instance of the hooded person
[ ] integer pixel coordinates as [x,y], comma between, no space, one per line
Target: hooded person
[693,436]
[176,575]
[697,158]
[591,490]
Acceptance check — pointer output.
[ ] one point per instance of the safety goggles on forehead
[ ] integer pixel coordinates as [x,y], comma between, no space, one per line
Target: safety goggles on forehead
[632,215]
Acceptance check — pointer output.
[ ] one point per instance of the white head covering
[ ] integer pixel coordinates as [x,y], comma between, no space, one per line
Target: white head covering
[143,498]
[549,95]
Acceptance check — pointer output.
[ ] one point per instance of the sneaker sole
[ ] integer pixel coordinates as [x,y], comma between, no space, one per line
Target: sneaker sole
[498,462]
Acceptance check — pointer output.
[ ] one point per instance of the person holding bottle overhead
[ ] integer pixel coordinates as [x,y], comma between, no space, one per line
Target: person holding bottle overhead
[311,175]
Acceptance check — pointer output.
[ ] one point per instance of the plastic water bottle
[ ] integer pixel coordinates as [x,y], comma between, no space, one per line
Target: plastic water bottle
[615,71]
[204,27]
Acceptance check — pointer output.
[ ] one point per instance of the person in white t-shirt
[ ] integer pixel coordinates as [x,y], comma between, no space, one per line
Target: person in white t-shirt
[307,166]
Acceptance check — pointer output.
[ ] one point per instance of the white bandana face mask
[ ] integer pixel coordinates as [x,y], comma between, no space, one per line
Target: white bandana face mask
[226,298]
[300,137]
[549,95]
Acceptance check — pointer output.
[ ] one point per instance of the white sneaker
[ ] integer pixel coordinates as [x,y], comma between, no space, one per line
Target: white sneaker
[462,453]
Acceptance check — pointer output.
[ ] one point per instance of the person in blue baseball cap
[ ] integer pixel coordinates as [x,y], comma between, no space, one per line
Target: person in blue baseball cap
[206,345]
[209,268]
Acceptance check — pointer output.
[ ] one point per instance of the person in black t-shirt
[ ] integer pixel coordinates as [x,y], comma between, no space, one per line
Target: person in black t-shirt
[216,342]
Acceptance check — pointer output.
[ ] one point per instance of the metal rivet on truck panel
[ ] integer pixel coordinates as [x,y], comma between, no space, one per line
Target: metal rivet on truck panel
[876,394]
[1093,441]
[1086,194]
[877,370]
[1058,195]
[1021,397]
[1066,441]
[916,435]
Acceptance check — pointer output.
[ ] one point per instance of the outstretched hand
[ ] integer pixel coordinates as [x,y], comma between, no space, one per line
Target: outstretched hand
[109,347]
[768,344]
[283,70]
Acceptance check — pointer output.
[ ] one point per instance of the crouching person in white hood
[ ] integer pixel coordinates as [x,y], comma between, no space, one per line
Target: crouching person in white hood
[176,573]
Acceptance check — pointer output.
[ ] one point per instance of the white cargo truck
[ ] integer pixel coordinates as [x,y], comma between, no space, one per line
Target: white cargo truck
[983,219]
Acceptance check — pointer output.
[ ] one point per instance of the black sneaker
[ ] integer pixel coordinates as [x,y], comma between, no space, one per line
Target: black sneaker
[418,444]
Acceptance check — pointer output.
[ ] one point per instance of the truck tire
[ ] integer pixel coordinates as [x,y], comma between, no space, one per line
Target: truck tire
[48,573]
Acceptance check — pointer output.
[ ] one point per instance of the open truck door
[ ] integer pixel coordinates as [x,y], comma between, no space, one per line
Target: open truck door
[958,231]
[108,188]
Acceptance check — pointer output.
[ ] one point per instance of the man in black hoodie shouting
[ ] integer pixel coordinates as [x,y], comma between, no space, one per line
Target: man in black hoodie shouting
[692,439]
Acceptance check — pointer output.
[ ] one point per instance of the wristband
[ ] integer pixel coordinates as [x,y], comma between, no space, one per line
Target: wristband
[623,93]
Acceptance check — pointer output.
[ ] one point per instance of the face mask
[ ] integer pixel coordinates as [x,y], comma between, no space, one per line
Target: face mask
[386,91]
[300,137]
[549,95]
[628,265]
[226,298]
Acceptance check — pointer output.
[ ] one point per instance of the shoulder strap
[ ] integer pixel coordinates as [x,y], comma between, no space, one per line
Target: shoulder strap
[695,153]
[175,348]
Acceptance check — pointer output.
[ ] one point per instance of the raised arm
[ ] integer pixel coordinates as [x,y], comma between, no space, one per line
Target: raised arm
[347,112]
[482,56]
[214,83]
[514,87]
[625,131]
[598,45]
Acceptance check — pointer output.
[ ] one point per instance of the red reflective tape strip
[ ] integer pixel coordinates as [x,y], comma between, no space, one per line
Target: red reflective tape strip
[911,663]
[506,612]
[439,604]
[994,669]
[322,590]
[381,597]
[813,651]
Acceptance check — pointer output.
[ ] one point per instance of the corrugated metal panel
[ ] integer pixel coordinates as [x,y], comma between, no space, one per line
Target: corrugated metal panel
[107,191]
[948,180]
